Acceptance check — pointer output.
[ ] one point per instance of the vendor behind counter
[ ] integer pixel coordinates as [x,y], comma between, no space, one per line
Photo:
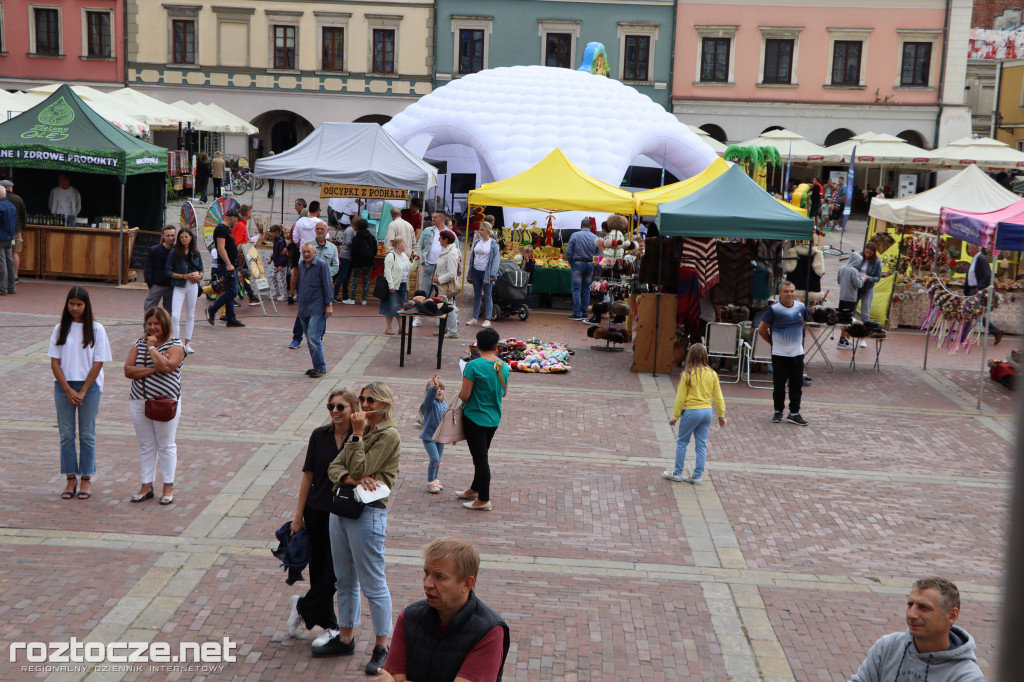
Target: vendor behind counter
[145,198]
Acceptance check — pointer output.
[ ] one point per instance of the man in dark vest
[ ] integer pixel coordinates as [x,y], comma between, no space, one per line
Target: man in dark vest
[451,636]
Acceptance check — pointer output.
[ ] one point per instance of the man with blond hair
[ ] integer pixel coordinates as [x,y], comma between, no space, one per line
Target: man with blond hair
[451,636]
[932,648]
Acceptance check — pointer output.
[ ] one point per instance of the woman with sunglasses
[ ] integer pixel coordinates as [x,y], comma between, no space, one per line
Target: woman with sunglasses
[313,513]
[369,458]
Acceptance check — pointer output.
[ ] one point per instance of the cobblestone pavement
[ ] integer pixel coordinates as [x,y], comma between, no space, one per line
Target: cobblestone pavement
[795,555]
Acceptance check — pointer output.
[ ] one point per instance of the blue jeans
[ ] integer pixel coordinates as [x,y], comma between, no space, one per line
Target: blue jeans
[357,546]
[227,299]
[865,303]
[82,463]
[693,423]
[426,272]
[481,289]
[434,451]
[582,274]
[341,282]
[297,329]
[314,327]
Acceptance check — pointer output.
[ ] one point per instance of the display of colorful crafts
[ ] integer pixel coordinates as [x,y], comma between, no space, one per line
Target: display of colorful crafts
[953,319]
[537,356]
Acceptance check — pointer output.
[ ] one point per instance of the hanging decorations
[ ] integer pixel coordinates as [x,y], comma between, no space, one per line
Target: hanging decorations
[954,319]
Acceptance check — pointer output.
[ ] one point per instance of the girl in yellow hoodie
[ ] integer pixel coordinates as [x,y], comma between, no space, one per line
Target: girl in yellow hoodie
[698,387]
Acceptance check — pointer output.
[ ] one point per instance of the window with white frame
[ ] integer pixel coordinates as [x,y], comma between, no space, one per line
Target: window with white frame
[558,42]
[97,33]
[383,34]
[780,47]
[847,49]
[332,30]
[182,30]
[472,43]
[716,50]
[636,49]
[45,35]
[284,39]
[918,58]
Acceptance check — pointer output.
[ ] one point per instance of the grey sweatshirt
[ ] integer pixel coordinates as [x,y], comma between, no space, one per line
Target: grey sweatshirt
[894,658]
[848,277]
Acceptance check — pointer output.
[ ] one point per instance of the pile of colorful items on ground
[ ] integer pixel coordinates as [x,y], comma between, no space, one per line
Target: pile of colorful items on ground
[532,355]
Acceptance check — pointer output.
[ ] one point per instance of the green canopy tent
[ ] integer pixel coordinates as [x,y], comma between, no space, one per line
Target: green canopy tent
[63,134]
[732,206]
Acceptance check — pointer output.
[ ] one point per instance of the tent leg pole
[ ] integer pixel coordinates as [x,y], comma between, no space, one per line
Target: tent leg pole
[984,347]
[895,277]
[657,307]
[120,239]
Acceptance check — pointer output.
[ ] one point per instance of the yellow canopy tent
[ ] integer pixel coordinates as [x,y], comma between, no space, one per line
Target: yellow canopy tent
[647,201]
[554,184]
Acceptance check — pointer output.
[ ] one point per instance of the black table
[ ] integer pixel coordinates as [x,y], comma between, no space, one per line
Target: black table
[855,343]
[405,334]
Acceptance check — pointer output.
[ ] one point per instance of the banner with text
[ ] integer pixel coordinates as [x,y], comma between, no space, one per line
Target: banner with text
[329,190]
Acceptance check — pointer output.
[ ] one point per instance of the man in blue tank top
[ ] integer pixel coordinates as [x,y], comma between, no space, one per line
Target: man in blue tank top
[782,326]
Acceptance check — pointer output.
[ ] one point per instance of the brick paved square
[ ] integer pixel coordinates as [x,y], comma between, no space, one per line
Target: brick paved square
[826,635]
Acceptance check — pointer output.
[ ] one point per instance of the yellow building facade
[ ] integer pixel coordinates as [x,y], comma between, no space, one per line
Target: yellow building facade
[285,65]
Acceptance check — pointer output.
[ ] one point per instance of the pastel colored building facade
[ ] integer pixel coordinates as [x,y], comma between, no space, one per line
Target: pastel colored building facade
[825,69]
[284,66]
[77,41]
[473,35]
[1010,105]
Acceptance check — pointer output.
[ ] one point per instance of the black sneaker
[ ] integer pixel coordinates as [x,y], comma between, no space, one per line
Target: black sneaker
[795,418]
[235,323]
[576,318]
[335,647]
[210,316]
[380,653]
[777,418]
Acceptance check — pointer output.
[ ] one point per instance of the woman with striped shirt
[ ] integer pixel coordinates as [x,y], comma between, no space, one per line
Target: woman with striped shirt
[154,366]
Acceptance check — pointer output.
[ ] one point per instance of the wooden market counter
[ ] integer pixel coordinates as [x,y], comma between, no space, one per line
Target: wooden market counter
[81,252]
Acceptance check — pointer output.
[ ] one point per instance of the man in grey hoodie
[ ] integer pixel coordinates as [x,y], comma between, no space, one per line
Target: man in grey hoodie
[933,649]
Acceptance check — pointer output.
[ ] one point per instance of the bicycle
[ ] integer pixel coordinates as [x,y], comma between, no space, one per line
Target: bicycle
[243,181]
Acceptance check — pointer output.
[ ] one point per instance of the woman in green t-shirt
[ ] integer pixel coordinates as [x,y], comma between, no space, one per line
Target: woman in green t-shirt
[484,384]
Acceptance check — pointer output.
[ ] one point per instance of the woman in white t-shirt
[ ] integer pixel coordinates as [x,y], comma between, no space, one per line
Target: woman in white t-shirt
[484,259]
[78,349]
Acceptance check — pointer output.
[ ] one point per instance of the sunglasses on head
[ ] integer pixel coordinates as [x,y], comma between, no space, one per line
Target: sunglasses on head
[340,407]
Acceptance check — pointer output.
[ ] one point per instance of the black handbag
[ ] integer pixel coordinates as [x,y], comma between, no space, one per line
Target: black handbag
[381,289]
[345,504]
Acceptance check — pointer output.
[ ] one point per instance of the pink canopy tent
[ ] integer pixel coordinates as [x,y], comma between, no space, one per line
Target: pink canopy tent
[1002,230]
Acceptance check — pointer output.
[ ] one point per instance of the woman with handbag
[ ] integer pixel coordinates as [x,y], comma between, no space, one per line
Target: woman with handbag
[154,366]
[447,277]
[369,458]
[184,269]
[313,512]
[396,273]
[484,384]
[485,260]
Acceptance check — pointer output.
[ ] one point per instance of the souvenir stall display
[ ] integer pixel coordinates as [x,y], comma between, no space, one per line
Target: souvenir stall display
[532,356]
[179,169]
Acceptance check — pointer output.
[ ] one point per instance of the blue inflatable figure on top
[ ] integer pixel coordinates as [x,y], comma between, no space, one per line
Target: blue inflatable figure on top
[595,60]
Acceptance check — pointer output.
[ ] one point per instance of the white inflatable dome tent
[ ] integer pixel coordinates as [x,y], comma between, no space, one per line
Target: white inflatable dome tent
[499,122]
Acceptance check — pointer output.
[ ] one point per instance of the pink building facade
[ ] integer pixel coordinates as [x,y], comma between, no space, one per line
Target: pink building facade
[825,69]
[73,41]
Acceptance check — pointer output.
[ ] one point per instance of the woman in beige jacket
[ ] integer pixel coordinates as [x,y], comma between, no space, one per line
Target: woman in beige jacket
[396,272]
[448,278]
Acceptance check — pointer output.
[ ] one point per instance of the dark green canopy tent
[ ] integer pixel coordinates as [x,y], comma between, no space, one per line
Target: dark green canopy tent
[732,206]
[63,134]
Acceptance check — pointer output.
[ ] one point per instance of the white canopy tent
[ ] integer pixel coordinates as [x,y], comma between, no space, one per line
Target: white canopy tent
[100,102]
[234,125]
[159,115]
[790,145]
[985,152]
[878,149]
[350,153]
[970,190]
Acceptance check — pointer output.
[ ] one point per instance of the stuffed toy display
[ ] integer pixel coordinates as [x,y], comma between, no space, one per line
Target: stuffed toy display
[805,264]
[426,305]
[534,355]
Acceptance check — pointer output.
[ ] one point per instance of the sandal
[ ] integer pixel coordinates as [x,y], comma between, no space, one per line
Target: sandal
[85,494]
[70,494]
[167,499]
[390,332]
[143,496]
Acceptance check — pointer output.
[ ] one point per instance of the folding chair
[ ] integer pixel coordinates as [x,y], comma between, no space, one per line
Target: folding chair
[757,351]
[723,341]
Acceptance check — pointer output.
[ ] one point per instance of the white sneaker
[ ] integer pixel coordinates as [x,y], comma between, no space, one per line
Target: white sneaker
[349,301]
[471,322]
[324,637]
[363,302]
[863,344]
[451,335]
[434,487]
[672,477]
[417,322]
[295,622]
[189,349]
[253,303]
[487,323]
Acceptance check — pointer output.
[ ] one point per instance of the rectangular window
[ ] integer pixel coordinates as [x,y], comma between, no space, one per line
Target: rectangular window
[284,47]
[98,34]
[383,50]
[638,55]
[47,31]
[917,58]
[846,62]
[333,58]
[778,61]
[714,64]
[471,50]
[558,50]
[184,32]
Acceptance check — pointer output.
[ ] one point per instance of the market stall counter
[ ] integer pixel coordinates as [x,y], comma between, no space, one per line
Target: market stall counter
[80,252]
